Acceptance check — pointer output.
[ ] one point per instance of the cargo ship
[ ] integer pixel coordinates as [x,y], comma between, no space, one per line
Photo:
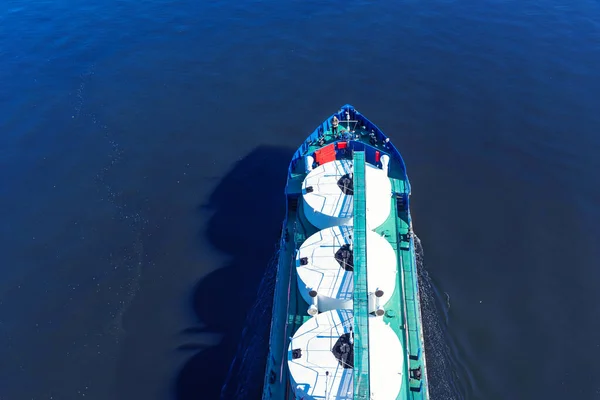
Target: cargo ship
[346,318]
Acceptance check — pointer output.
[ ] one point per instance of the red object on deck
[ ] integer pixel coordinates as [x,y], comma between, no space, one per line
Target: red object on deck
[377,155]
[325,154]
[342,145]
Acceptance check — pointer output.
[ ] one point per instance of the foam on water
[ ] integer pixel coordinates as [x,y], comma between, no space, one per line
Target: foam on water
[445,383]
[133,260]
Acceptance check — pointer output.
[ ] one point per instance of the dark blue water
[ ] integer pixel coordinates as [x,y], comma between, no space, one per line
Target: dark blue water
[143,148]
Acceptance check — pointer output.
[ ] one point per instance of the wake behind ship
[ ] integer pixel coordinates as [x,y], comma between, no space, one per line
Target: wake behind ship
[346,313]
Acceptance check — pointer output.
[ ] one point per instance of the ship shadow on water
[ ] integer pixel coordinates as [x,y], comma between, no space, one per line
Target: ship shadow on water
[248,209]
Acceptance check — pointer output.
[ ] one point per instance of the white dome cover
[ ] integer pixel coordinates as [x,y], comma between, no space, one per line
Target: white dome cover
[333,284]
[327,205]
[318,372]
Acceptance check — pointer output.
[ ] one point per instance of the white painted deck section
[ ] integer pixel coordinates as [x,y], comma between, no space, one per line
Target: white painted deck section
[328,206]
[334,285]
[316,337]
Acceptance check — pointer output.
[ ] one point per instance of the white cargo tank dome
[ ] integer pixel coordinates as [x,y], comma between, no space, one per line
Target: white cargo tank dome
[327,195]
[321,358]
[386,360]
[325,265]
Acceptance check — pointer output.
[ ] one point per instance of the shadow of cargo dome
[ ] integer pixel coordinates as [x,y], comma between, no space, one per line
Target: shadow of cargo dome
[249,207]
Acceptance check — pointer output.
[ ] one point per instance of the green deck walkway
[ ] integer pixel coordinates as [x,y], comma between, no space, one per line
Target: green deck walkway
[362,389]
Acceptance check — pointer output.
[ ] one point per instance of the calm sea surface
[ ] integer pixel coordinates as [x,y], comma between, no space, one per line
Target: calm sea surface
[143,148]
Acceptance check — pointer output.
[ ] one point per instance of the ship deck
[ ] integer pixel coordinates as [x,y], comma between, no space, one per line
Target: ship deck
[402,310]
